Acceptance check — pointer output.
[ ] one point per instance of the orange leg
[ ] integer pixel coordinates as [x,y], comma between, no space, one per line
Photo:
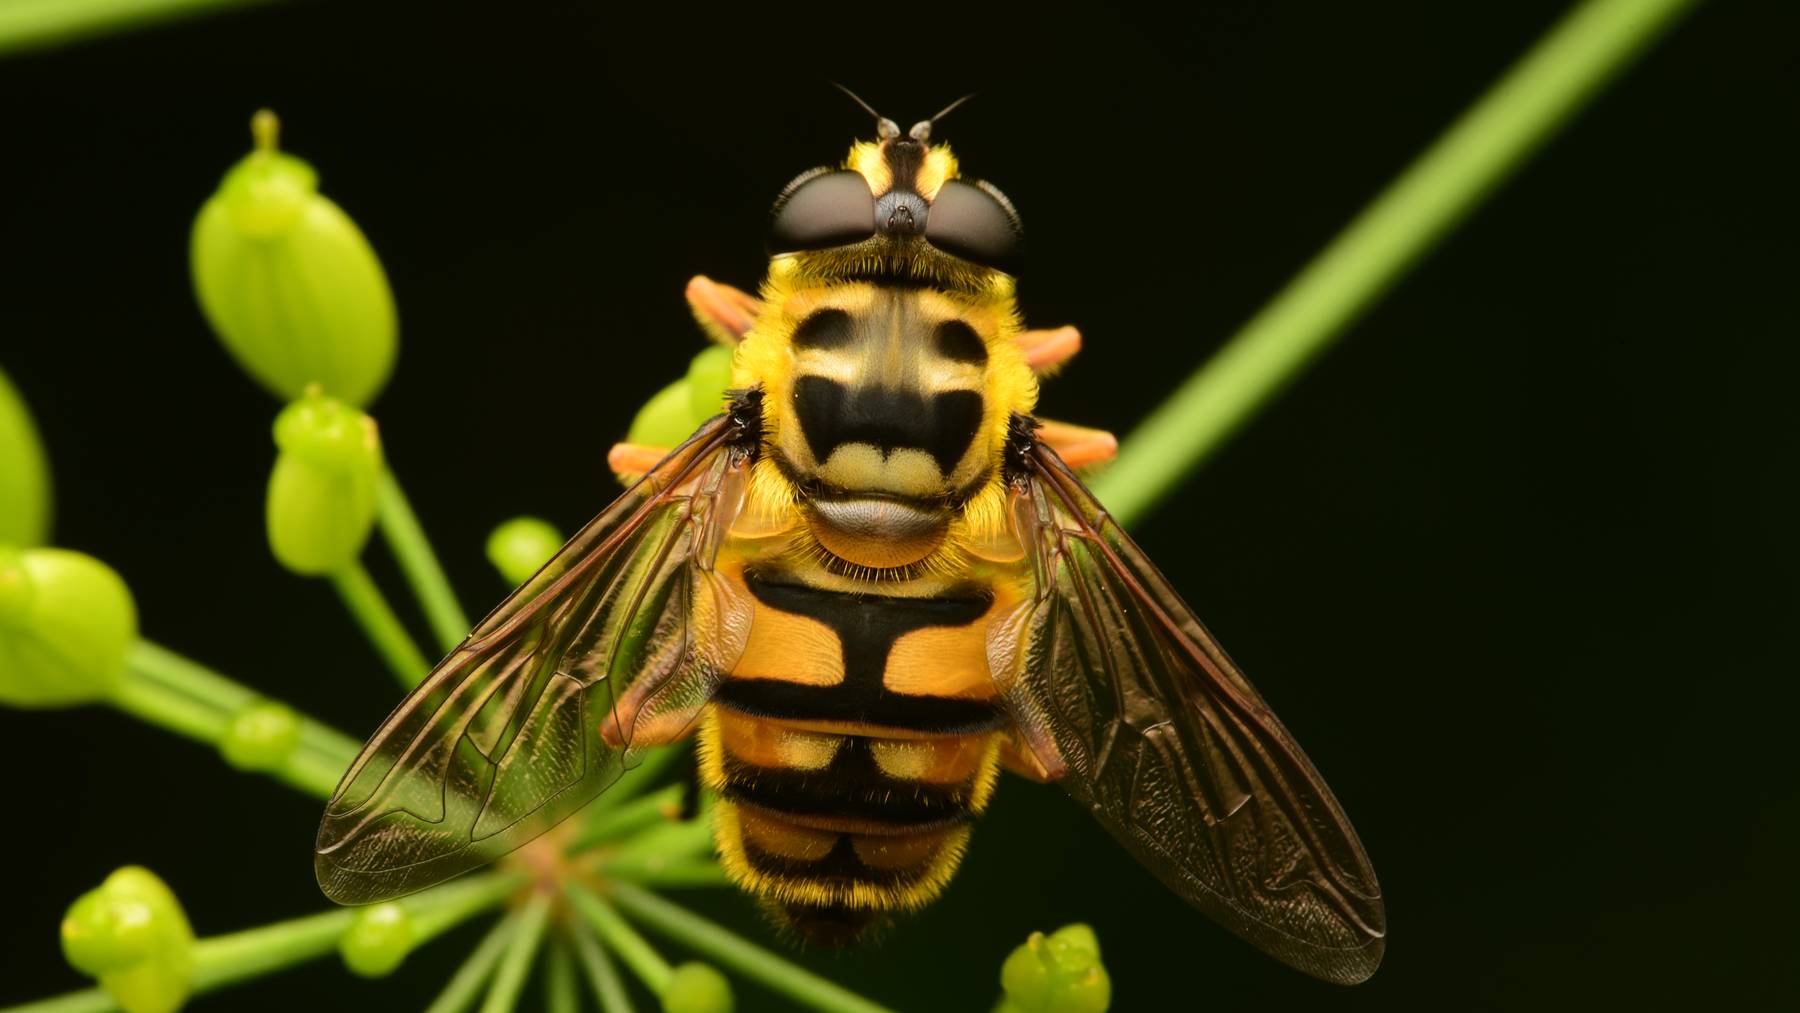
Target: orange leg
[1045,350]
[1078,446]
[725,313]
[631,460]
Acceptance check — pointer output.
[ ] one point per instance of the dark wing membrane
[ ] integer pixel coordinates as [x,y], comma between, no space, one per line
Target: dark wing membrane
[1117,687]
[531,717]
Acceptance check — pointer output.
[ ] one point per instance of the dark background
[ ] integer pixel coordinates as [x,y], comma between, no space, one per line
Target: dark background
[1516,562]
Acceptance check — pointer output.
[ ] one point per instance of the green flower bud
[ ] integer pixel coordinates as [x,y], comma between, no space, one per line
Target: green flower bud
[1078,937]
[519,546]
[377,941]
[66,623]
[261,736]
[24,474]
[666,419]
[708,377]
[322,494]
[1059,973]
[131,934]
[697,988]
[288,282]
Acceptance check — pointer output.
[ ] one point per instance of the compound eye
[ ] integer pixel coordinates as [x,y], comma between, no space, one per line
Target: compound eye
[976,222]
[822,208]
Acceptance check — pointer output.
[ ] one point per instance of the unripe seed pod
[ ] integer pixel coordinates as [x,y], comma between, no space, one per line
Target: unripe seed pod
[1059,973]
[666,419]
[24,474]
[323,491]
[131,934]
[289,283]
[708,376]
[261,736]
[66,623]
[698,988]
[518,547]
[377,941]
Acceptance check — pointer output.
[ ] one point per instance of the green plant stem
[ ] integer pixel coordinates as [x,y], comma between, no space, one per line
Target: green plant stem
[658,872]
[515,964]
[400,527]
[561,993]
[670,842]
[1495,136]
[633,782]
[609,988]
[377,618]
[88,1000]
[196,680]
[658,807]
[733,951]
[441,909]
[154,691]
[616,933]
[34,24]
[460,991]
[221,960]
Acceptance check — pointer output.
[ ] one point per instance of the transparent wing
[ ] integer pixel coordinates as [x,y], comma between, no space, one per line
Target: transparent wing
[1125,697]
[534,713]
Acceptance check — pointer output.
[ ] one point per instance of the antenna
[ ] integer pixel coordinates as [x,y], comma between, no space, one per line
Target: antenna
[921,130]
[885,129]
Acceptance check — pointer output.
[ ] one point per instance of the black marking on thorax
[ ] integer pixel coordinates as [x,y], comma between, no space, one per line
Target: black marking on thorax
[866,627]
[942,424]
[888,405]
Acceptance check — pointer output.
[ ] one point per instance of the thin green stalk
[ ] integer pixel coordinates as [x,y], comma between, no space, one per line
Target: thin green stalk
[733,951]
[400,526]
[1494,137]
[439,910]
[221,960]
[150,694]
[561,991]
[34,24]
[372,612]
[155,703]
[658,807]
[609,988]
[650,765]
[460,992]
[617,933]
[202,683]
[658,872]
[678,841]
[509,978]
[88,1000]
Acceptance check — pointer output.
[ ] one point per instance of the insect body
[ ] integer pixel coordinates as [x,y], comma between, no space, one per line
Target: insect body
[869,584]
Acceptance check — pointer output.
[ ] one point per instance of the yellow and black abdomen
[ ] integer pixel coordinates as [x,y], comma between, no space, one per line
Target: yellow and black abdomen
[851,748]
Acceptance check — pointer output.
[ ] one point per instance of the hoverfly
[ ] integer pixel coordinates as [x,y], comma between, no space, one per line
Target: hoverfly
[866,586]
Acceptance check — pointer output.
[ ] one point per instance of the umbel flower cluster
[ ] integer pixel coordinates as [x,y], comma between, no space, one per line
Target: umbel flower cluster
[299,299]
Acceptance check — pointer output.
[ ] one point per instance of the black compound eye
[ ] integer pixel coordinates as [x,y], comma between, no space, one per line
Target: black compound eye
[976,222]
[822,208]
